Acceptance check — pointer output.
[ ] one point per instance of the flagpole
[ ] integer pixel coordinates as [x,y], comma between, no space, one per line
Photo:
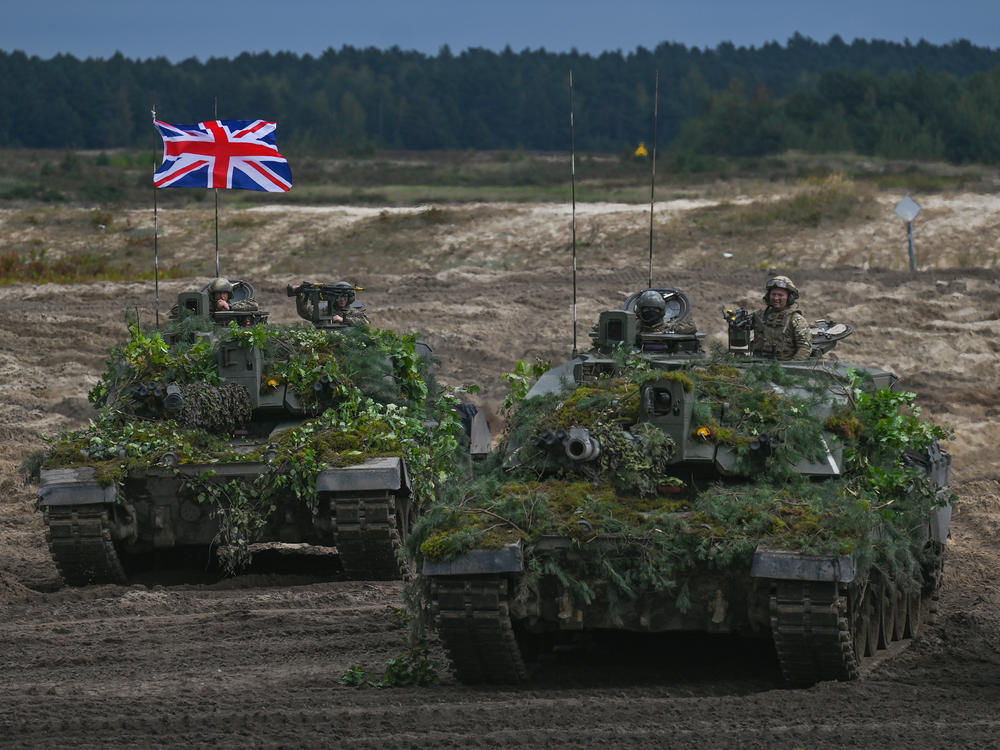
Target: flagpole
[156,251]
[218,270]
[652,179]
[572,147]
[156,259]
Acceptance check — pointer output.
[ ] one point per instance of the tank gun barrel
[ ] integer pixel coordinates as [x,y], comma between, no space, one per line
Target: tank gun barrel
[581,445]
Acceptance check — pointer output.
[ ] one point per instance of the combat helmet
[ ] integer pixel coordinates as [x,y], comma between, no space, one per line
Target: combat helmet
[220,285]
[651,307]
[781,282]
[344,289]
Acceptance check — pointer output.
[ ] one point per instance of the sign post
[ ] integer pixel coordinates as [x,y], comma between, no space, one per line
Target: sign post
[907,209]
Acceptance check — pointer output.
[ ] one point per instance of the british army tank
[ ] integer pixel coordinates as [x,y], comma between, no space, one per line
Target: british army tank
[650,486]
[220,432]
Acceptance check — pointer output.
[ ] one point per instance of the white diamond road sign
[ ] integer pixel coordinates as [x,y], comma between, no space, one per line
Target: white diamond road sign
[907,209]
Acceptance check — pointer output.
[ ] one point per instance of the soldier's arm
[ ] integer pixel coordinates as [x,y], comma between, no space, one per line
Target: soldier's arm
[303,306]
[685,326]
[356,317]
[757,326]
[803,341]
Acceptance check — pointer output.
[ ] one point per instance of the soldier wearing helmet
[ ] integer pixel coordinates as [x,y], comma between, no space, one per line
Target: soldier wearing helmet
[780,330]
[650,309]
[220,293]
[335,302]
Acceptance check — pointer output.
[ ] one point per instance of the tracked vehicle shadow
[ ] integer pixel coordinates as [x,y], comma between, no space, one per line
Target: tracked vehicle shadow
[176,567]
[709,664]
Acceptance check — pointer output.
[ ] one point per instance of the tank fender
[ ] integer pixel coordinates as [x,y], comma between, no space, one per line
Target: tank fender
[388,473]
[506,559]
[795,566]
[940,523]
[76,486]
[556,380]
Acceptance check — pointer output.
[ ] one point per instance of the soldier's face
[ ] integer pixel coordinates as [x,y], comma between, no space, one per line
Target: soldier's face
[779,298]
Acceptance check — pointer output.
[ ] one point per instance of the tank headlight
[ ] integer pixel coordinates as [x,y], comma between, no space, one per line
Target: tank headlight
[271,453]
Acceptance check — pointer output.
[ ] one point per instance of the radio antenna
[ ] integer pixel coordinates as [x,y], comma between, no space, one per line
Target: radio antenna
[652,179]
[572,151]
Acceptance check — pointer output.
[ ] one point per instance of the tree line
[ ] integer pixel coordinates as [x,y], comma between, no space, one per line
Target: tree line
[874,97]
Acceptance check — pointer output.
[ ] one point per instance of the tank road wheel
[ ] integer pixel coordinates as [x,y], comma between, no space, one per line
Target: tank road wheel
[473,620]
[933,574]
[899,612]
[864,624]
[406,517]
[369,535]
[873,621]
[914,615]
[884,605]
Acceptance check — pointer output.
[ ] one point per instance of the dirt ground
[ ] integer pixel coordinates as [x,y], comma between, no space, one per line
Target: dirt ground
[255,660]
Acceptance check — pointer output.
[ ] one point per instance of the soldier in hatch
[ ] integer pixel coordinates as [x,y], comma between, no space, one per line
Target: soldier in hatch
[339,305]
[780,331]
[650,309]
[220,293]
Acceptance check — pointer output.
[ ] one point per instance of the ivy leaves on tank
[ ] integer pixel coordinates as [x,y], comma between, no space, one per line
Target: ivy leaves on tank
[639,520]
[361,393]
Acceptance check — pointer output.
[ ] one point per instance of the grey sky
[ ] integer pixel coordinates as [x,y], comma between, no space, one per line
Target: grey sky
[223,28]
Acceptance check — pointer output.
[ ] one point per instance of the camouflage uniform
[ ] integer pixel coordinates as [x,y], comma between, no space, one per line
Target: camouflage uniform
[353,316]
[244,305]
[781,334]
[686,326]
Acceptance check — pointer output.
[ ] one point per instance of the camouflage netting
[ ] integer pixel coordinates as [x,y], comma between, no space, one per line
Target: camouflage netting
[216,409]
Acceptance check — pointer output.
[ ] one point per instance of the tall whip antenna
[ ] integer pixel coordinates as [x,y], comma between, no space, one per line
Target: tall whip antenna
[652,179]
[572,150]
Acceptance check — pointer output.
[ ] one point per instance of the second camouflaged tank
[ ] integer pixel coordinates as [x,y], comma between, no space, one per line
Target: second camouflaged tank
[221,431]
[645,486]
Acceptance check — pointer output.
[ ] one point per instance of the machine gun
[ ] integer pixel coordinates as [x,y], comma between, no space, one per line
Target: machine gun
[739,322]
[323,291]
[315,302]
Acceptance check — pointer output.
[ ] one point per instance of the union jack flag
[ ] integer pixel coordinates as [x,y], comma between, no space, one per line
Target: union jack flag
[237,154]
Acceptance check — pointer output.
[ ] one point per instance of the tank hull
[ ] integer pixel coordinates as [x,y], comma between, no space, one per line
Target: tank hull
[363,511]
[823,619]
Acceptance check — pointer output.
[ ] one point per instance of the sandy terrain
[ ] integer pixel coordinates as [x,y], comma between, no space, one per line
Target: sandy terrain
[256,660]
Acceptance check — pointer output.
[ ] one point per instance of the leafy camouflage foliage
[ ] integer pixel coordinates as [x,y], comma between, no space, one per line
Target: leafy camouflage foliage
[639,523]
[368,392]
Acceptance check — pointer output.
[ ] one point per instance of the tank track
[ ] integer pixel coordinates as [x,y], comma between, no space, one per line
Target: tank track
[817,639]
[366,532]
[79,538]
[811,631]
[473,620]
